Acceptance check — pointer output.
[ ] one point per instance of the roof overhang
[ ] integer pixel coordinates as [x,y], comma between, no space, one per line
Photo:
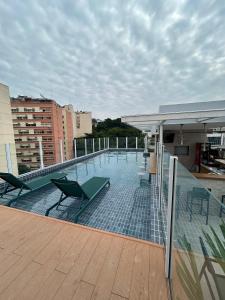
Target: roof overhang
[194,120]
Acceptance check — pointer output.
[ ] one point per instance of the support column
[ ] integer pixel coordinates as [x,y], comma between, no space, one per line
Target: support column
[104,142]
[8,158]
[117,143]
[108,142]
[61,150]
[160,156]
[99,143]
[75,148]
[41,154]
[126,142]
[136,142]
[85,146]
[170,215]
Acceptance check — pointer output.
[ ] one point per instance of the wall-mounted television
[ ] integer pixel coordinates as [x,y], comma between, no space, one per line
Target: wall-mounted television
[181,150]
[168,137]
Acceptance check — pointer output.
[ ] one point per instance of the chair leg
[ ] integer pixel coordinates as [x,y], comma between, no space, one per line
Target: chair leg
[18,195]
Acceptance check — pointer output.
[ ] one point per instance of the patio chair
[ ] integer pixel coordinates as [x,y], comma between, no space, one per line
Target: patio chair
[209,264]
[84,193]
[198,196]
[14,183]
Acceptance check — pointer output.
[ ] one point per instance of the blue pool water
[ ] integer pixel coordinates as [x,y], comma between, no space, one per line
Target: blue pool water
[125,207]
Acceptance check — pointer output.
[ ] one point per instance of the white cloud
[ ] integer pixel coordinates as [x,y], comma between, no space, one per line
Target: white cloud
[114,57]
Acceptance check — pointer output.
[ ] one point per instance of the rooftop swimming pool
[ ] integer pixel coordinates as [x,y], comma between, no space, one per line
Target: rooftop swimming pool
[127,207]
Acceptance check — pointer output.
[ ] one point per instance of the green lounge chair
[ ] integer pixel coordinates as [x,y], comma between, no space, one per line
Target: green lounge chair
[85,192]
[15,183]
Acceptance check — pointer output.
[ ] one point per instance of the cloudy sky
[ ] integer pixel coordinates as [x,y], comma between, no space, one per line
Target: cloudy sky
[114,57]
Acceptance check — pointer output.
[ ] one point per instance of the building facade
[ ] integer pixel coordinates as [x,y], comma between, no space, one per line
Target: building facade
[41,120]
[82,123]
[7,163]
[68,131]
[37,121]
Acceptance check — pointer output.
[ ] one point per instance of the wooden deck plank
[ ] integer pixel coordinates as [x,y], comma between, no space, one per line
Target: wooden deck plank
[71,282]
[45,258]
[97,260]
[122,282]
[106,278]
[39,240]
[117,297]
[13,272]
[17,285]
[58,246]
[51,286]
[157,282]
[139,286]
[72,254]
[7,261]
[84,291]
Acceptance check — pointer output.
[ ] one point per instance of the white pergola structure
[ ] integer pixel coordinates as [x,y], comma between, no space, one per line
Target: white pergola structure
[200,117]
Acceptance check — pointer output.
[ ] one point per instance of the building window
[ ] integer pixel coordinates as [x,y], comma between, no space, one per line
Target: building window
[15,109]
[78,121]
[29,109]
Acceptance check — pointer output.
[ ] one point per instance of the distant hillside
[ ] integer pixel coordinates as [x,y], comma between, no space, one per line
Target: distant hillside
[115,127]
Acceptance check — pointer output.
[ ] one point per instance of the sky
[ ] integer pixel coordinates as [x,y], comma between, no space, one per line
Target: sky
[114,57]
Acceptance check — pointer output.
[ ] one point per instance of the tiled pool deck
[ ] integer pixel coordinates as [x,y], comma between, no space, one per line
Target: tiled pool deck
[125,207]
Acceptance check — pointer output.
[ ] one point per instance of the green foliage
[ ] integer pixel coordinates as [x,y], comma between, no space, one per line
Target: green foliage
[23,169]
[114,127]
[216,245]
[187,271]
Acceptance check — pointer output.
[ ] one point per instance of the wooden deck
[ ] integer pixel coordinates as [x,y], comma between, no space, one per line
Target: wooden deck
[44,258]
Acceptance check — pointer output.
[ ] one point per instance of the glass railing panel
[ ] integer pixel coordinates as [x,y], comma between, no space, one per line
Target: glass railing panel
[89,145]
[131,142]
[141,143]
[198,255]
[121,142]
[112,142]
[80,147]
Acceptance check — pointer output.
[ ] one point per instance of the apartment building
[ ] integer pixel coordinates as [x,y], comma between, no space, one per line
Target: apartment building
[82,123]
[68,131]
[8,162]
[37,120]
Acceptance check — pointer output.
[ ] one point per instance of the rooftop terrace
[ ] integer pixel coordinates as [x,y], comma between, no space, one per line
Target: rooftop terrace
[45,258]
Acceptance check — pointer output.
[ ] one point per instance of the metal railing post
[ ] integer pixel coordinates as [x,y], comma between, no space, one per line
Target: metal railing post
[99,143]
[75,148]
[8,158]
[161,177]
[170,215]
[93,145]
[85,146]
[41,154]
[157,164]
[61,150]
[136,142]
[126,142]
[117,143]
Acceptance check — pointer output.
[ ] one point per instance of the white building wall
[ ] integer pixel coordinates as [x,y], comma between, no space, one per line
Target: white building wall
[6,131]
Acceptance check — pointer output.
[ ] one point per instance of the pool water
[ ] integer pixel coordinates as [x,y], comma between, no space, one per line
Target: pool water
[126,207]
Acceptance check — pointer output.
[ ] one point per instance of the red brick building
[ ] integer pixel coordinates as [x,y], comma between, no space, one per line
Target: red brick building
[42,120]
